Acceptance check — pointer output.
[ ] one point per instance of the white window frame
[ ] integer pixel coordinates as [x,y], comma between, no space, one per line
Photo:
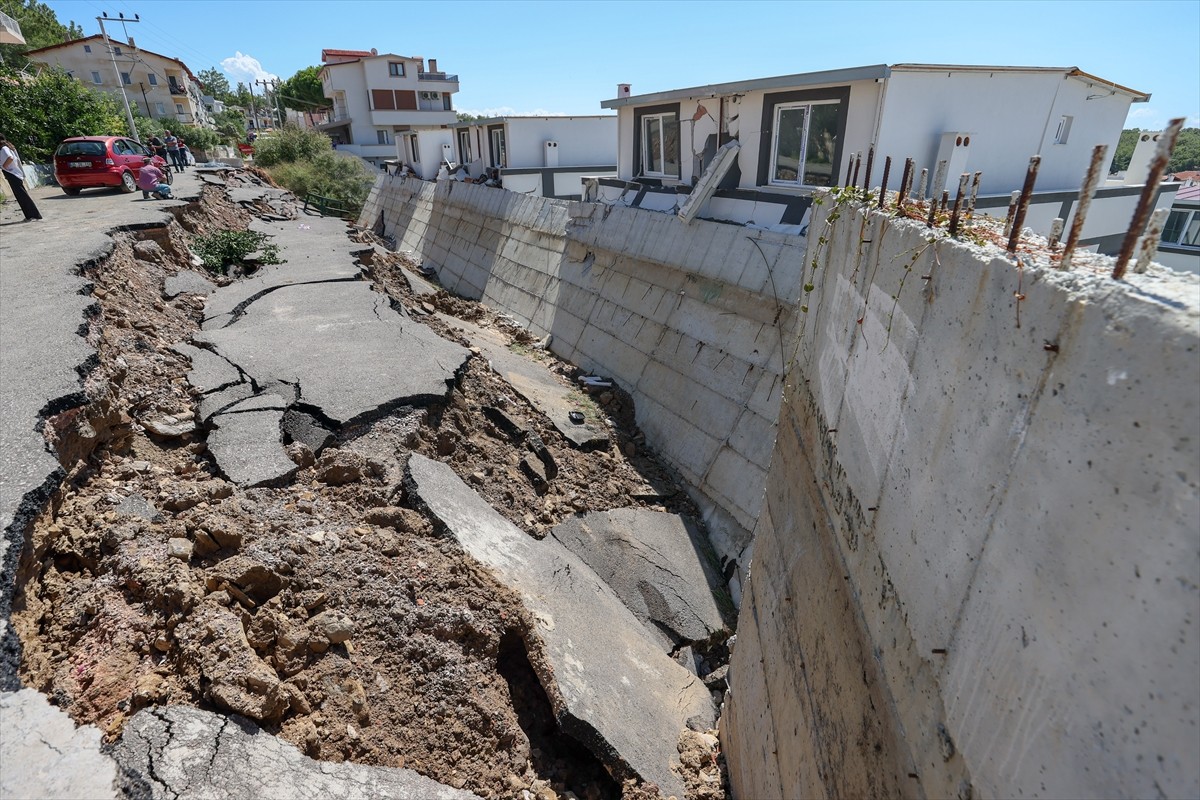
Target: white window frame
[1191,218]
[398,71]
[1064,129]
[499,143]
[807,105]
[153,79]
[96,79]
[179,108]
[464,145]
[662,142]
[161,109]
[414,149]
[381,136]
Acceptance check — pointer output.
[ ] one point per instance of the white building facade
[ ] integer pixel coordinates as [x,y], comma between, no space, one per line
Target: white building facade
[801,132]
[379,97]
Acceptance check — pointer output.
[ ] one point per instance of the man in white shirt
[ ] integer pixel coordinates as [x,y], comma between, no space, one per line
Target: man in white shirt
[10,162]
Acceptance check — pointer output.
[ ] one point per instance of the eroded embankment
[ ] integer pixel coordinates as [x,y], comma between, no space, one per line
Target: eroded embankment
[324,606]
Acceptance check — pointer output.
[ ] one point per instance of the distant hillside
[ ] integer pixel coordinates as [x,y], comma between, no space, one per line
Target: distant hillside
[1186,156]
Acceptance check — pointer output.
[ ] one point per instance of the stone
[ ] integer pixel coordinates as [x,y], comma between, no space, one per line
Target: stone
[402,519]
[135,505]
[168,430]
[252,577]
[660,565]
[338,467]
[609,681]
[180,548]
[300,453]
[335,627]
[535,471]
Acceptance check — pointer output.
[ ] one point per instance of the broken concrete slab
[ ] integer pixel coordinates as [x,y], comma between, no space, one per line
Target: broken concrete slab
[186,281]
[184,753]
[611,685]
[351,355]
[420,286]
[305,428]
[538,386]
[248,447]
[43,754]
[659,564]
[216,402]
[209,371]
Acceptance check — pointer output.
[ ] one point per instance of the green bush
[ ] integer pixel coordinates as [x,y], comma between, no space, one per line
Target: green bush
[36,113]
[225,249]
[290,143]
[198,138]
[341,177]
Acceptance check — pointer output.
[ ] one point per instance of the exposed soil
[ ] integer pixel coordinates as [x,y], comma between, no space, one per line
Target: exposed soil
[326,609]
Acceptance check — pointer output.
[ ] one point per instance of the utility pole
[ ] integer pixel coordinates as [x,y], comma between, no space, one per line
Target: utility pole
[279,105]
[253,113]
[116,70]
[145,99]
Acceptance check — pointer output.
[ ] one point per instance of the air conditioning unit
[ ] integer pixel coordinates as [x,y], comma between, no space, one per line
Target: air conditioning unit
[431,95]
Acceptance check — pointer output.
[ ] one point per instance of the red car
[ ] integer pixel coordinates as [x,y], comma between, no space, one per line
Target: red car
[82,162]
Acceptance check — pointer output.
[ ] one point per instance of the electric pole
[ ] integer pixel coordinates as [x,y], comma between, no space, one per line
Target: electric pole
[116,70]
[253,113]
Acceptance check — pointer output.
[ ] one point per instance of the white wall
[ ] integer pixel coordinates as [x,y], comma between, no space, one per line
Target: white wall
[581,140]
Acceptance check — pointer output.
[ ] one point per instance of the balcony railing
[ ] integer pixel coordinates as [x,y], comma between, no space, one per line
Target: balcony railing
[10,30]
[436,76]
[178,89]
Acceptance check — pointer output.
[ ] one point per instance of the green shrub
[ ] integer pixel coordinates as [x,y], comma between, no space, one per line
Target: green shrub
[290,143]
[36,113]
[341,177]
[198,138]
[225,249]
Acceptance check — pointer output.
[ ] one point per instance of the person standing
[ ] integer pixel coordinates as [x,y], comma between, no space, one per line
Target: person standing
[157,147]
[11,164]
[172,143]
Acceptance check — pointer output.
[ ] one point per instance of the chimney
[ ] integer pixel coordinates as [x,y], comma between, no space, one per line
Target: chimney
[433,65]
[623,90]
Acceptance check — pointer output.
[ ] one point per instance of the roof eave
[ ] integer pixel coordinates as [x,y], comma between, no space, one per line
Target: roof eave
[871,72]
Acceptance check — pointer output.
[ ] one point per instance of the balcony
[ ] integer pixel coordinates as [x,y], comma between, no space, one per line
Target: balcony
[10,30]
[388,118]
[177,89]
[436,76]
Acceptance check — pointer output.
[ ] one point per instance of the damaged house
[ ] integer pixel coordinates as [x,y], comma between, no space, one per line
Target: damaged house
[797,133]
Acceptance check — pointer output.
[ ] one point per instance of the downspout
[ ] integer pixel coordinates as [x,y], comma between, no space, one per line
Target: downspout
[878,112]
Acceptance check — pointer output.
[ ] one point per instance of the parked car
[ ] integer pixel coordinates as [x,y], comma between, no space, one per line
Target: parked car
[83,162]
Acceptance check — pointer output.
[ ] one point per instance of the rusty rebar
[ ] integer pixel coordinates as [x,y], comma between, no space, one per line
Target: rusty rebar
[870,162]
[1158,167]
[923,185]
[939,179]
[932,213]
[1012,210]
[1035,163]
[857,162]
[887,168]
[849,169]
[974,194]
[1056,229]
[1091,180]
[958,199]
[1150,240]
[905,177]
[945,200]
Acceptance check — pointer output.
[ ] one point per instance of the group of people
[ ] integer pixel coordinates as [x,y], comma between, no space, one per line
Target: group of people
[170,149]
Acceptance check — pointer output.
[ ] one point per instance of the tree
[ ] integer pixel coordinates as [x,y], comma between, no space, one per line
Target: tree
[40,27]
[303,91]
[216,84]
[1124,150]
[464,117]
[38,112]
[231,124]
[1185,157]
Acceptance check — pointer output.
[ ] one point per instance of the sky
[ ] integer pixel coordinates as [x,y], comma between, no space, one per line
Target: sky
[566,56]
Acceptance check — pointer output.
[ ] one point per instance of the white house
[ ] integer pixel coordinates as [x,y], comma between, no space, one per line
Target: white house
[544,156]
[159,86]
[377,97]
[800,132]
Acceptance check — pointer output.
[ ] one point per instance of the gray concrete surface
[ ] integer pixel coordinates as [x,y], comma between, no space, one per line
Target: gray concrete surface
[659,564]
[187,281]
[613,687]
[183,753]
[209,371]
[248,446]
[43,360]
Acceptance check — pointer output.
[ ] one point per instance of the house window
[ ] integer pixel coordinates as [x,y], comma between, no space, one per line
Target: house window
[87,48]
[660,145]
[179,108]
[416,152]
[1182,228]
[1064,129]
[125,79]
[804,142]
[464,146]
[116,51]
[382,137]
[446,103]
[802,135]
[160,109]
[96,78]
[396,69]
[153,79]
[499,149]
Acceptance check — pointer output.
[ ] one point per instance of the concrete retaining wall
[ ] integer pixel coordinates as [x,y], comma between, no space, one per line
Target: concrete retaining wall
[687,318]
[977,565]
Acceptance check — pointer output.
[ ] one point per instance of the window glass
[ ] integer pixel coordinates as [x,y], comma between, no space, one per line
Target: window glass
[120,148]
[499,152]
[160,108]
[125,79]
[821,144]
[87,48]
[80,149]
[1192,236]
[415,151]
[96,77]
[1174,227]
[652,146]
[153,79]
[789,143]
[396,69]
[660,145]
[805,143]
[117,51]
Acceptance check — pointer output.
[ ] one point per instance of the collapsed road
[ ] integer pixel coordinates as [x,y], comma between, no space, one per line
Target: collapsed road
[322,529]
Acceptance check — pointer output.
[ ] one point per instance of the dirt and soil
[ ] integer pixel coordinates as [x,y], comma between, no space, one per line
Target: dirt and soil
[326,609]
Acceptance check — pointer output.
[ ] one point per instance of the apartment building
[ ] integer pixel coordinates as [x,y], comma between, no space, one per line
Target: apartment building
[379,96]
[158,86]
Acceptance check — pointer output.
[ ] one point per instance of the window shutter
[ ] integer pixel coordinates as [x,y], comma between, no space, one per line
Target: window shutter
[381,100]
[406,101]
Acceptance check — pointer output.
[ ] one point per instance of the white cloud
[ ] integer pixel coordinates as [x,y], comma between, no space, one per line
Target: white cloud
[509,111]
[1150,117]
[246,69]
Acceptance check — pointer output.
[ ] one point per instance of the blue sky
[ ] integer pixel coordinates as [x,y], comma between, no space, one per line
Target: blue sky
[565,56]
